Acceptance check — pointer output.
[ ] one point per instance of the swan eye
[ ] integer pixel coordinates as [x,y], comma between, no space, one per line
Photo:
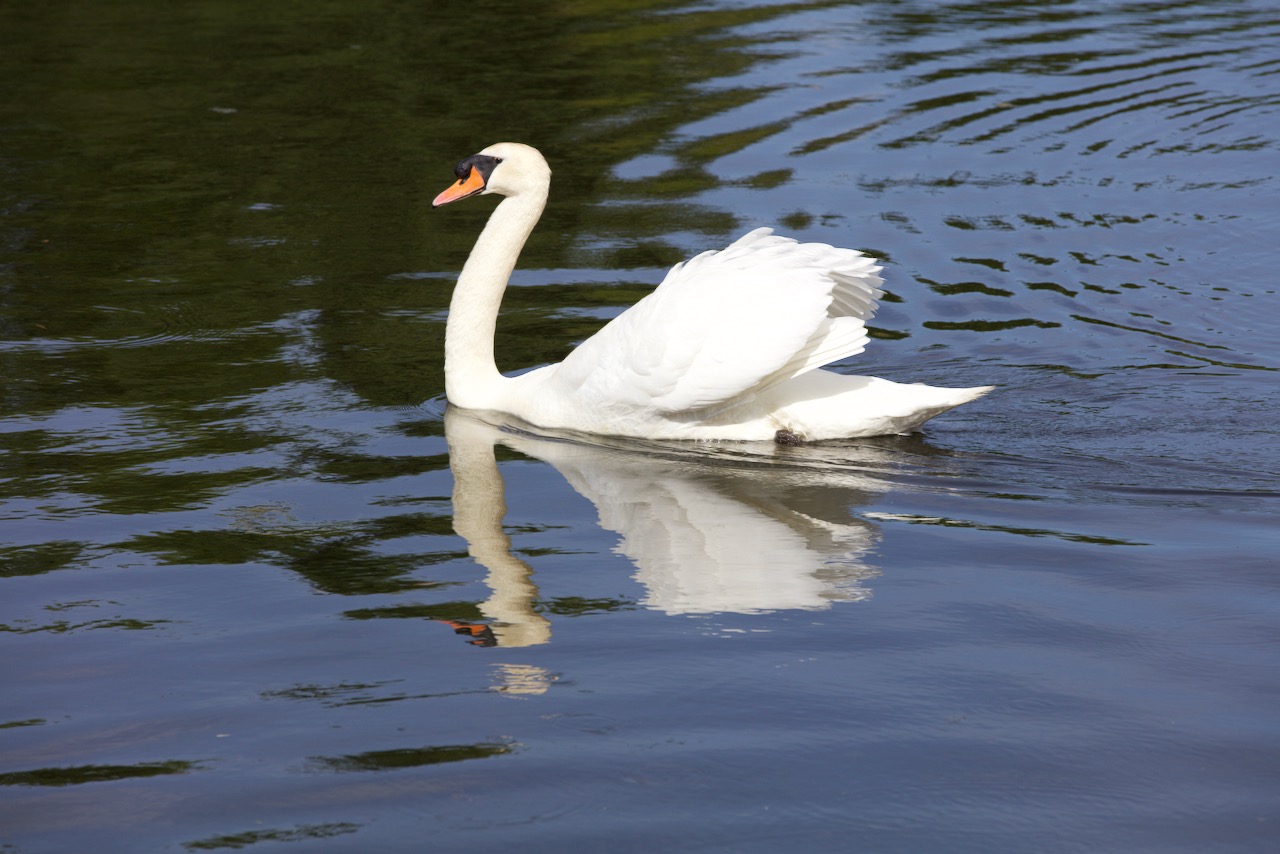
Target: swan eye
[482,163]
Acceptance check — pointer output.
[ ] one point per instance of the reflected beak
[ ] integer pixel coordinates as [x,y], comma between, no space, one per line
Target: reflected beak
[468,186]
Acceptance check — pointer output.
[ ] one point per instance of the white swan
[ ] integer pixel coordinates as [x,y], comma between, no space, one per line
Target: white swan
[729,346]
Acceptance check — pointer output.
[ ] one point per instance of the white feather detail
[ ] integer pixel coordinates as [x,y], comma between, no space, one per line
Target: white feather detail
[807,302]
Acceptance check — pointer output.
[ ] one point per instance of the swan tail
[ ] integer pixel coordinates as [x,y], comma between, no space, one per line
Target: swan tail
[958,396]
[939,400]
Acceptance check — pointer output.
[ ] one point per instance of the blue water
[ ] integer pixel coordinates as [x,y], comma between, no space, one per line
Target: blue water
[262,590]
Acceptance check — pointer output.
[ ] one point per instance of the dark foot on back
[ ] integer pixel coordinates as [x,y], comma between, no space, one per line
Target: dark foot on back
[786,437]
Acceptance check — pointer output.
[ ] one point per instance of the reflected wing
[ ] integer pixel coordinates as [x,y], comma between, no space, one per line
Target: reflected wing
[728,324]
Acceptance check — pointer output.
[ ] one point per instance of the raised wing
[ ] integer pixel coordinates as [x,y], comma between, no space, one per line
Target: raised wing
[729,324]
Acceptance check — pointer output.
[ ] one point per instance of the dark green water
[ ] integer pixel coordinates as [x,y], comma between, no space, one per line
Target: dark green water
[251,592]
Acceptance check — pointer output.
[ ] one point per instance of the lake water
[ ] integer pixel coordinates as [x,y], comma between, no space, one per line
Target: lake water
[259,587]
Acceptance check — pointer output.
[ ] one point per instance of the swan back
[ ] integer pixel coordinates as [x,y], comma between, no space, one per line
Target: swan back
[726,326]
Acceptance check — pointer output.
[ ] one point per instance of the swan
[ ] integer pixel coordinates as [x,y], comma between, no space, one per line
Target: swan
[730,346]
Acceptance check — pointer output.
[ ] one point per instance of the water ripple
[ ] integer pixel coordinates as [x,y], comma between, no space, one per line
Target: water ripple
[1025,72]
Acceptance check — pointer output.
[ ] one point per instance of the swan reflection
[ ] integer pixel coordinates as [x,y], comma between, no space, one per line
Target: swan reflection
[712,530]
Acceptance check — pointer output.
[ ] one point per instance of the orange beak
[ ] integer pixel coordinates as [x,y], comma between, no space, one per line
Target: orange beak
[468,186]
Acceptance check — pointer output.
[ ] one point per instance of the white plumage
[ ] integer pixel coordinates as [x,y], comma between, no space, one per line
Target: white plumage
[729,346]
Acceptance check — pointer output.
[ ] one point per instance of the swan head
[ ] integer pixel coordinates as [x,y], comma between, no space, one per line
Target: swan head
[506,168]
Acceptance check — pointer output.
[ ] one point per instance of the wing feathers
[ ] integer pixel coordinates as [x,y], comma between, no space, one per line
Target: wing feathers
[727,325]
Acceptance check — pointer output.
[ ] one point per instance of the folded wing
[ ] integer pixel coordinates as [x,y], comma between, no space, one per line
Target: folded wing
[727,325]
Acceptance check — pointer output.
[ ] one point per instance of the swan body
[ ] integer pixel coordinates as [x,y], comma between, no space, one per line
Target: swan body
[729,346]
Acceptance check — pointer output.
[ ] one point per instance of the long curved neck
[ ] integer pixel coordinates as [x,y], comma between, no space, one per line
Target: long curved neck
[471,378]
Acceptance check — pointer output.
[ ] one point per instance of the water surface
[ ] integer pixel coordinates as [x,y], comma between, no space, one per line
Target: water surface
[261,586]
